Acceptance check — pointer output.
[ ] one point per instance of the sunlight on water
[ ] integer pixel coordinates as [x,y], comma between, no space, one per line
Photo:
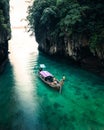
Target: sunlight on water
[22,49]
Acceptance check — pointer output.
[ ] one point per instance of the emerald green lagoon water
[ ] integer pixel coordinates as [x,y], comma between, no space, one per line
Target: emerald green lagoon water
[26,103]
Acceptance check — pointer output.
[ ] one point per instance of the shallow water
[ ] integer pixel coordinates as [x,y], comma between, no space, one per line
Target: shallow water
[26,103]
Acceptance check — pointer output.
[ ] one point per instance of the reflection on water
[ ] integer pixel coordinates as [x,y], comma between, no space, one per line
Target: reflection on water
[22,50]
[6,97]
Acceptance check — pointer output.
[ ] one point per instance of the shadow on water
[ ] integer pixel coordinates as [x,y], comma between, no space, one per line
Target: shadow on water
[7,100]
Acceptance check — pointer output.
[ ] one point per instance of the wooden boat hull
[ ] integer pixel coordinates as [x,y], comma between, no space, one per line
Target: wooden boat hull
[50,80]
[51,85]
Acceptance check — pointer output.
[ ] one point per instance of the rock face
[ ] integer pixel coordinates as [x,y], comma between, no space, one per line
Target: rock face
[77,49]
[5,31]
[3,51]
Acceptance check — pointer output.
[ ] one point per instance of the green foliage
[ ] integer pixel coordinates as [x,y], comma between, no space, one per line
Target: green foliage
[47,14]
[93,41]
[42,15]
[4,18]
[59,18]
[96,40]
[2,21]
[71,16]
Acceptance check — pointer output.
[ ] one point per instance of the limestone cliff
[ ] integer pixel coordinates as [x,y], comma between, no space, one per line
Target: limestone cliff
[74,29]
[5,32]
[77,49]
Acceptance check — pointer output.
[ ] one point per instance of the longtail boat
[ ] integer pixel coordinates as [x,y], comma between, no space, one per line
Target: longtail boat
[50,80]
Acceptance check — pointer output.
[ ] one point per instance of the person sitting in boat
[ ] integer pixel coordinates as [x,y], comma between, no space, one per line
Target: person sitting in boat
[62,80]
[54,81]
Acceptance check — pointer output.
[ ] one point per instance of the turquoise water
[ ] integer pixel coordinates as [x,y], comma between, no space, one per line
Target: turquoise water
[26,103]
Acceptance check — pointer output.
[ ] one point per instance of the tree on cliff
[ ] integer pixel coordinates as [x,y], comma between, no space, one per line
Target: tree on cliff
[5,31]
[4,18]
[57,19]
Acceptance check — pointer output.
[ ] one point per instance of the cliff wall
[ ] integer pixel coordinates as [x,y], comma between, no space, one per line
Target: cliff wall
[5,31]
[78,50]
